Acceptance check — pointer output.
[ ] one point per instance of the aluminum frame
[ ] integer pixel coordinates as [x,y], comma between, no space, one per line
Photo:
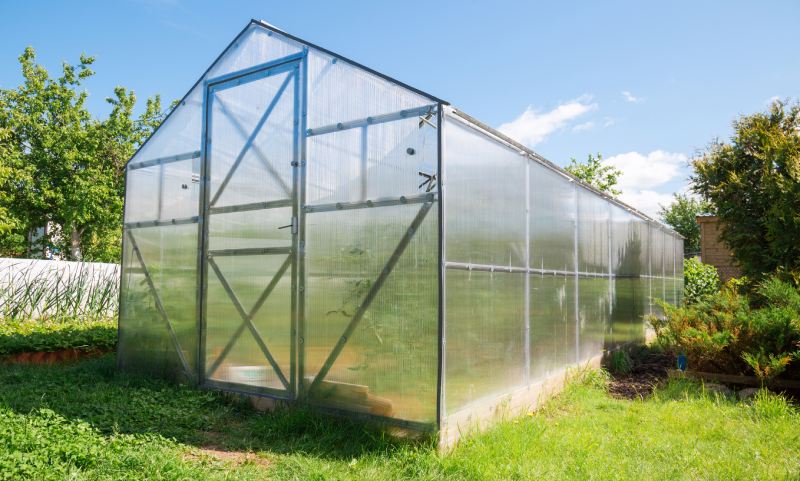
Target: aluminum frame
[290,66]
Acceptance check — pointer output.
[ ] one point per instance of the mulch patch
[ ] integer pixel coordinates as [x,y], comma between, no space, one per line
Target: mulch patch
[649,369]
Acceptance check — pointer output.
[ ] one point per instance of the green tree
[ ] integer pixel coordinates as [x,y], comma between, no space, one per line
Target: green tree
[65,168]
[753,180]
[681,215]
[595,173]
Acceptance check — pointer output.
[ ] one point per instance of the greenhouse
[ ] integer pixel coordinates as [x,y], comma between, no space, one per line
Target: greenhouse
[304,228]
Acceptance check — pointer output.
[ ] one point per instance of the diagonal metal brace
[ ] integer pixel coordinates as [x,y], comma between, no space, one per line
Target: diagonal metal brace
[248,322]
[261,156]
[253,311]
[249,142]
[373,292]
[159,306]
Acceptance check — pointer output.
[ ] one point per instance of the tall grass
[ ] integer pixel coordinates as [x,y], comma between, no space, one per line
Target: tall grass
[80,291]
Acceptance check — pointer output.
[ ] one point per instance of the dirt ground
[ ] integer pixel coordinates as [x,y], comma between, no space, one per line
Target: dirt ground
[649,368]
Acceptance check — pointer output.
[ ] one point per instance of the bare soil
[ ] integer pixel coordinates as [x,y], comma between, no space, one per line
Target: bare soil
[648,370]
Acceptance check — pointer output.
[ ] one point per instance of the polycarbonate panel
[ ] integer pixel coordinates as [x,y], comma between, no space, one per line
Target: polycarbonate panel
[485,199]
[252,141]
[339,92]
[255,46]
[246,363]
[552,220]
[593,235]
[627,311]
[485,332]
[170,257]
[386,160]
[391,357]
[628,244]
[178,134]
[594,303]
[142,194]
[552,325]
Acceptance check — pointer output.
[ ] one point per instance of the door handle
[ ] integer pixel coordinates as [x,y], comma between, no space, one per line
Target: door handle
[293,225]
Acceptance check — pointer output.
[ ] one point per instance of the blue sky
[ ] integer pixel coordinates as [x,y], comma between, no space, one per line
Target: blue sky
[646,85]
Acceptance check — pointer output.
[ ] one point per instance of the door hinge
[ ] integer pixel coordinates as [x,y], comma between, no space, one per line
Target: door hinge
[294,225]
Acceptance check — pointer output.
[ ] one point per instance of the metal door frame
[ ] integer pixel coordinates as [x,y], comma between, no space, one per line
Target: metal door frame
[295,65]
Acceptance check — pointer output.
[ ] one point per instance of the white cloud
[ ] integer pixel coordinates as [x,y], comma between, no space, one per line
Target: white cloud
[647,201]
[584,126]
[608,122]
[532,126]
[649,180]
[641,171]
[629,97]
[772,99]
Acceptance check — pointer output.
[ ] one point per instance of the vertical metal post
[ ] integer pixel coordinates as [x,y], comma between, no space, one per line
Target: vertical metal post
[611,278]
[527,320]
[122,275]
[577,303]
[299,266]
[160,191]
[364,159]
[202,234]
[649,268]
[442,318]
[296,213]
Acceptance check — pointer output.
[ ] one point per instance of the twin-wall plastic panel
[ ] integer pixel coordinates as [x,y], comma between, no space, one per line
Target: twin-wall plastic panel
[541,273]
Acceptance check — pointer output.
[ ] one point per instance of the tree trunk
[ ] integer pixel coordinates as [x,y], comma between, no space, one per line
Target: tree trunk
[75,244]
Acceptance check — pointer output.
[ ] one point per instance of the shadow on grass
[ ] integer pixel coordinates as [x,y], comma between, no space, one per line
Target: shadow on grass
[112,402]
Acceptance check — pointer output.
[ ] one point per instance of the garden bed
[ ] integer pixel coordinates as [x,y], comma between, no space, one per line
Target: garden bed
[45,341]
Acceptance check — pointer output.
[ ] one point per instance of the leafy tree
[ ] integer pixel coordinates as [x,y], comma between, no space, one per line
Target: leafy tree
[595,173]
[65,167]
[754,182]
[681,215]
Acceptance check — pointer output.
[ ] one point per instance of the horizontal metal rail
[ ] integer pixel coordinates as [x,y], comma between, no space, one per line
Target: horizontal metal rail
[381,202]
[161,223]
[164,160]
[378,119]
[227,209]
[268,68]
[249,251]
[465,266]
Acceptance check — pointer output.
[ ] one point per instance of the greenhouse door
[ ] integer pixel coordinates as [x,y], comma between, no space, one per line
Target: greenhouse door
[249,291]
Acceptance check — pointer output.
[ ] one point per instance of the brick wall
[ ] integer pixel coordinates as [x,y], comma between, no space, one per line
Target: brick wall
[715,252]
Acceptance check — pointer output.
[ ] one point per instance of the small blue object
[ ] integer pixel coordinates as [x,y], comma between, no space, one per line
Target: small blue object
[682,362]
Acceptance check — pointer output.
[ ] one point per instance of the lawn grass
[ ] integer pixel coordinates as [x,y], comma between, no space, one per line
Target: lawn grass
[86,421]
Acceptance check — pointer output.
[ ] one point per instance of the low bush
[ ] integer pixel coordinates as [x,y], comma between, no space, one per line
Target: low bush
[47,335]
[737,333]
[699,280]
